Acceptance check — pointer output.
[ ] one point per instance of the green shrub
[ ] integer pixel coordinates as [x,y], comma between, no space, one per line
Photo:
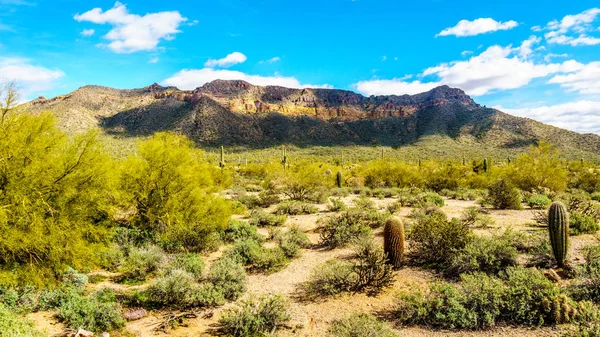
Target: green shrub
[261,218]
[580,223]
[486,254]
[74,278]
[229,278]
[259,258]
[519,296]
[430,199]
[538,201]
[364,203]
[189,262]
[292,241]
[12,325]
[336,205]
[368,271]
[176,288]
[502,195]
[360,325]
[587,285]
[476,217]
[249,200]
[87,312]
[295,208]
[241,230]
[140,262]
[595,196]
[255,318]
[268,198]
[343,229]
[434,239]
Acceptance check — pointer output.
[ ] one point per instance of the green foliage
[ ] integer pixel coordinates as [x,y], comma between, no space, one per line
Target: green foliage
[255,317]
[503,195]
[558,226]
[336,205]
[292,241]
[12,325]
[240,230]
[368,271]
[170,187]
[538,201]
[54,205]
[259,258]
[485,254]
[229,278]
[345,228]
[476,217]
[90,313]
[261,218]
[140,262]
[360,325]
[304,182]
[176,288]
[189,262]
[540,167]
[434,238]
[295,208]
[518,296]
[580,223]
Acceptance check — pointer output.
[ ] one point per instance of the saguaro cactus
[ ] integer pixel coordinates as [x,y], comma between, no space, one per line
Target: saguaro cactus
[284,156]
[393,241]
[222,162]
[338,179]
[558,227]
[485,165]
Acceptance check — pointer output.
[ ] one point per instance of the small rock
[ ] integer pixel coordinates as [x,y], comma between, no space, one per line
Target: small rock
[135,314]
[83,333]
[105,334]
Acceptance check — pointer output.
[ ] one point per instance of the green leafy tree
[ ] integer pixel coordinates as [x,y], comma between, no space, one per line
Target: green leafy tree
[171,189]
[540,167]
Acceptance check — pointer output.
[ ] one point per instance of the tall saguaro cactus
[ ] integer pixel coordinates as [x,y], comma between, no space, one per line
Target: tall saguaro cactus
[485,165]
[222,162]
[338,179]
[558,227]
[393,241]
[284,156]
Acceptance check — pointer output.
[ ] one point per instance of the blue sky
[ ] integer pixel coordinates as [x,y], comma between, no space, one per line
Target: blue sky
[529,58]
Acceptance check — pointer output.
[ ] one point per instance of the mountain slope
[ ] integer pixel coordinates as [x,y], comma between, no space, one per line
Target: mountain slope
[236,112]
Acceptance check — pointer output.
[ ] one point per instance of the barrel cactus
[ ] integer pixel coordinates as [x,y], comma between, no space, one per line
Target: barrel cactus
[393,241]
[558,226]
[338,179]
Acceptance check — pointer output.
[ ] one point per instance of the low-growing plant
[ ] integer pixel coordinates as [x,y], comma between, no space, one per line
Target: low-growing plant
[340,230]
[485,254]
[176,288]
[434,238]
[292,241]
[229,278]
[140,262]
[295,208]
[336,205]
[13,325]
[261,218]
[360,325]
[255,317]
[189,262]
[241,230]
[476,217]
[581,223]
[257,257]
[503,195]
[364,203]
[88,312]
[538,201]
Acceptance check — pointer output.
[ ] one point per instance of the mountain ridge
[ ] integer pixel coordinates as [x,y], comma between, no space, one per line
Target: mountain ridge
[237,112]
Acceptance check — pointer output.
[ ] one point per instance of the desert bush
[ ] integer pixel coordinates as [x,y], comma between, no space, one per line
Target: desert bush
[261,218]
[74,278]
[11,325]
[305,182]
[587,285]
[502,195]
[292,241]
[366,272]
[295,208]
[241,230]
[538,201]
[140,262]
[476,217]
[541,167]
[255,317]
[268,197]
[519,296]
[429,199]
[434,239]
[175,288]
[189,262]
[364,203]
[229,278]
[257,257]
[249,200]
[485,254]
[580,223]
[170,187]
[595,196]
[79,311]
[360,325]
[336,205]
[340,230]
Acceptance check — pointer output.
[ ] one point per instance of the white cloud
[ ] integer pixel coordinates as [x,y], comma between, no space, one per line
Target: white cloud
[550,56]
[526,46]
[188,79]
[153,60]
[31,78]
[466,52]
[478,26]
[581,116]
[228,61]
[536,28]
[132,32]
[497,68]
[271,60]
[572,29]
[584,81]
[88,32]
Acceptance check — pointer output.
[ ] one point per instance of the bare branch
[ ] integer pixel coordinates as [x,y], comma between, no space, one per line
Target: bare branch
[9,98]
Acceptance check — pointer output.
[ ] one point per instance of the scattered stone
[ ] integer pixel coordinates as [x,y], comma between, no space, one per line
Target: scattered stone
[552,275]
[83,333]
[135,313]
[105,334]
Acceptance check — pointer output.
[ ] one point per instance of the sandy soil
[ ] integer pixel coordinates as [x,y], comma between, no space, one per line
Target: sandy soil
[313,318]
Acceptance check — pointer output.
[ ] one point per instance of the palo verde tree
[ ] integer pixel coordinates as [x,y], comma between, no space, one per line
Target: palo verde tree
[171,189]
[54,209]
